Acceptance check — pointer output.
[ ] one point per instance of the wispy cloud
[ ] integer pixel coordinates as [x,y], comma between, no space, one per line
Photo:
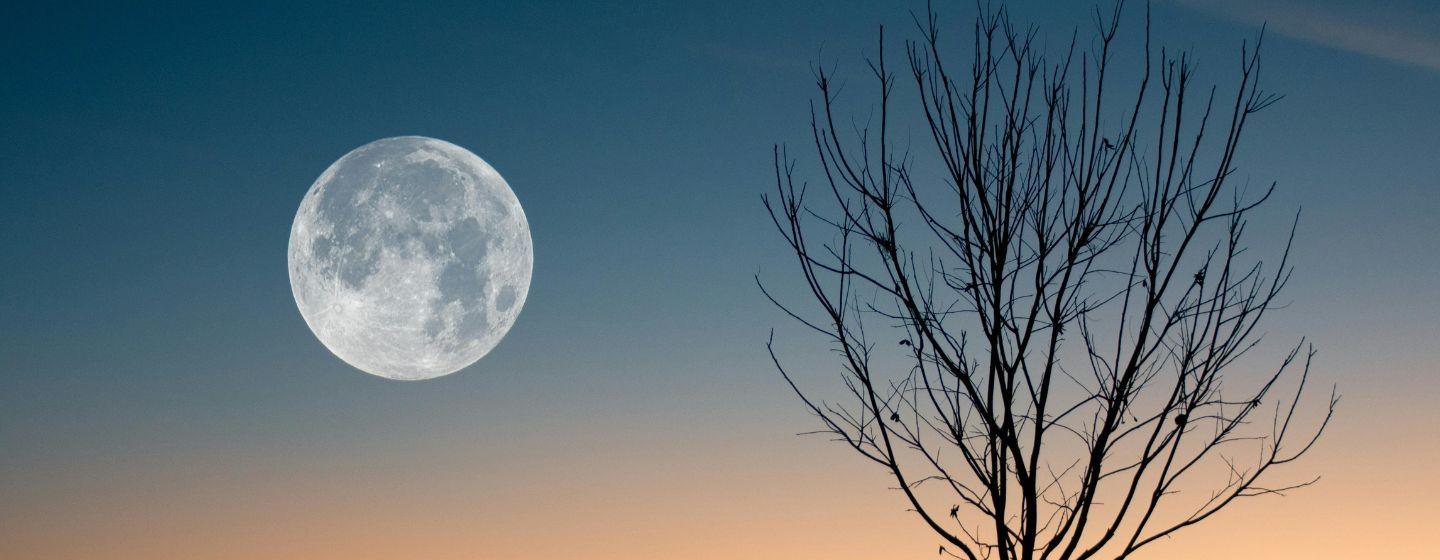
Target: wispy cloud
[1393,30]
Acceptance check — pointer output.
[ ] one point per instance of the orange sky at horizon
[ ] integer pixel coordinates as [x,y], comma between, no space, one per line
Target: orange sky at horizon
[757,494]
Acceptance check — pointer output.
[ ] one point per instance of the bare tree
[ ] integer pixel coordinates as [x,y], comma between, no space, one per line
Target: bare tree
[1034,337]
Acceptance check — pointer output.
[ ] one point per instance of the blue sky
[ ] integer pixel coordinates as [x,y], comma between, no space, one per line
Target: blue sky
[154,157]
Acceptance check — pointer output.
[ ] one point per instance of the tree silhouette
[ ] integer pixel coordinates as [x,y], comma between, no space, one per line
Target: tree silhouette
[1068,287]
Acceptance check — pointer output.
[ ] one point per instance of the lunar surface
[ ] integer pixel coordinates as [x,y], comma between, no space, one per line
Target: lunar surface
[410,258]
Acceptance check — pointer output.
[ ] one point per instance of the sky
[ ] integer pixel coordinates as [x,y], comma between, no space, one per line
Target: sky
[161,397]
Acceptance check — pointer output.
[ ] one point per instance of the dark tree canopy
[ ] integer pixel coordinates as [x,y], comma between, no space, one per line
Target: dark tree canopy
[1040,332]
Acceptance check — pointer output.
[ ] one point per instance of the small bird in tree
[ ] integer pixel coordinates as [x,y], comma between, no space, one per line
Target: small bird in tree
[1200,277]
[1107,145]
[1181,419]
[894,416]
[906,342]
[955,511]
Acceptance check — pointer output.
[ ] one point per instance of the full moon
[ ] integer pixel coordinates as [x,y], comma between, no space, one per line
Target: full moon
[410,258]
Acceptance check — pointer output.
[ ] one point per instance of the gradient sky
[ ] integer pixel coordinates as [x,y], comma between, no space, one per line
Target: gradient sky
[160,396]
